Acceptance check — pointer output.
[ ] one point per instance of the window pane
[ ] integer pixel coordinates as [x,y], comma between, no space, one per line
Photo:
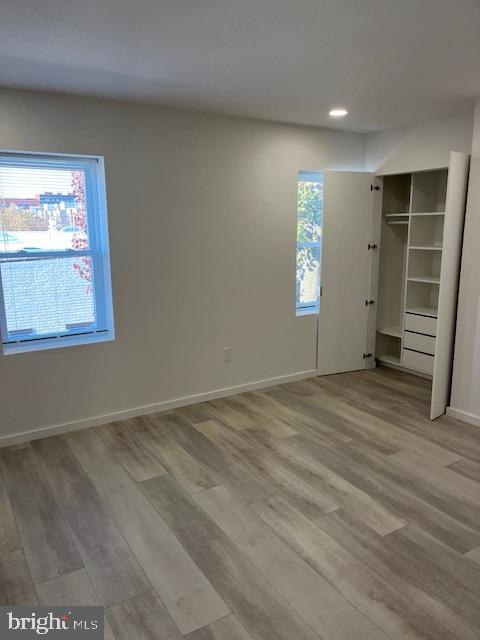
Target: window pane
[42,209]
[48,296]
[309,239]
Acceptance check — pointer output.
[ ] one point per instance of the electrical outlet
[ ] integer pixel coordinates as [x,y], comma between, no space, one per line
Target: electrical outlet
[227,354]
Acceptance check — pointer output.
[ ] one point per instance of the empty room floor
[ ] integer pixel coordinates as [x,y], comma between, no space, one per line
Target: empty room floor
[328,508]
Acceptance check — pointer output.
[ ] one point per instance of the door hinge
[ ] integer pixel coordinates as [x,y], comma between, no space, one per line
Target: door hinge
[374,187]
[369,302]
[367,355]
[321,290]
[372,246]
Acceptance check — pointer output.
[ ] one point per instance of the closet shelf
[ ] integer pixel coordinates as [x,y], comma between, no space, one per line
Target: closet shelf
[431,312]
[396,218]
[428,213]
[426,279]
[385,358]
[395,332]
[425,248]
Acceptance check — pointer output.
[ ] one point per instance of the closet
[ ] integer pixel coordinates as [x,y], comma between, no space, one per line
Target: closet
[391,249]
[419,249]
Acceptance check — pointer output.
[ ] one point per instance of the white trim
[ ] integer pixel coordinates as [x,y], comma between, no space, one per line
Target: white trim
[307,311]
[58,342]
[76,425]
[404,369]
[471,418]
[42,154]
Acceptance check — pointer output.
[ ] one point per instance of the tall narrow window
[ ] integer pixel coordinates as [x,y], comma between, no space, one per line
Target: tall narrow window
[309,241]
[55,286]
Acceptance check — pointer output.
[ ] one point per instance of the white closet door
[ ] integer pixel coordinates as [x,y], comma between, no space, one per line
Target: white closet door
[449,276]
[347,228]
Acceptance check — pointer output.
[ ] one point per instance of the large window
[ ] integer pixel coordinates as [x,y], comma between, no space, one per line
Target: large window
[309,241]
[55,286]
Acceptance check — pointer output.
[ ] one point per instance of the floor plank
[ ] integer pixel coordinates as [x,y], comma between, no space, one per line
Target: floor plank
[262,417]
[394,488]
[312,502]
[371,594]
[9,536]
[302,416]
[361,541]
[426,566]
[468,468]
[459,567]
[47,540]
[126,441]
[220,463]
[53,448]
[459,496]
[344,493]
[331,615]
[228,414]
[16,587]
[142,618]
[387,431]
[474,555]
[326,427]
[258,607]
[185,468]
[225,629]
[115,572]
[72,589]
[362,392]
[90,449]
[187,594]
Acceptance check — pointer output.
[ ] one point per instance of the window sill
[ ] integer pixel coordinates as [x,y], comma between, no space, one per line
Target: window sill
[57,343]
[310,311]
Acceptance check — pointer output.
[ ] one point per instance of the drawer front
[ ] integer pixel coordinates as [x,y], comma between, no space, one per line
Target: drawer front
[421,324]
[419,361]
[419,342]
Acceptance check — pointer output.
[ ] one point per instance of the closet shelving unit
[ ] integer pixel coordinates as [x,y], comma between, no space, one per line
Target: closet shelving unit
[420,245]
[410,266]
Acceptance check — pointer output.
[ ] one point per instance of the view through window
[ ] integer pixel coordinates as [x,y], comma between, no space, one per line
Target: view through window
[309,241]
[53,251]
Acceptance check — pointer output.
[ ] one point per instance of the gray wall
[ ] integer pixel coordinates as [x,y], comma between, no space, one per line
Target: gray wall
[202,216]
[420,146]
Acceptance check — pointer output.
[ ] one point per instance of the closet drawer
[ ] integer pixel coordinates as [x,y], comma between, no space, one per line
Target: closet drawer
[419,361]
[419,342]
[421,324]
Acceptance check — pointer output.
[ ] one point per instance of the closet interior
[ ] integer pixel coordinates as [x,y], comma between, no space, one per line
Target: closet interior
[411,248]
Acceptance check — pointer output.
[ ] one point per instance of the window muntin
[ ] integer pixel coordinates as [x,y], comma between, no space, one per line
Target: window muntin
[309,241]
[54,259]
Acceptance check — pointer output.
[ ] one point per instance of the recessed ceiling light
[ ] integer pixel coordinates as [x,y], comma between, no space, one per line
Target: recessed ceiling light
[337,113]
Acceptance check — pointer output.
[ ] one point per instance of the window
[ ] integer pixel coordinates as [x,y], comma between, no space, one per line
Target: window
[55,286]
[309,241]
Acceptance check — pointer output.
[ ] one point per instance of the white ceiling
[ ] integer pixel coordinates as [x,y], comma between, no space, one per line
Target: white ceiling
[390,62]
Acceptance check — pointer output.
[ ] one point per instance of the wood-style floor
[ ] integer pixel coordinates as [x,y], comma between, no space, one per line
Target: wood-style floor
[325,509]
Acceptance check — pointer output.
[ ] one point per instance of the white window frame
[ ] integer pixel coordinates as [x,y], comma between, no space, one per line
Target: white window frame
[98,251]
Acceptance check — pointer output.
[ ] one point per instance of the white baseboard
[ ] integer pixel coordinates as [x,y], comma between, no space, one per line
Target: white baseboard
[66,427]
[471,418]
